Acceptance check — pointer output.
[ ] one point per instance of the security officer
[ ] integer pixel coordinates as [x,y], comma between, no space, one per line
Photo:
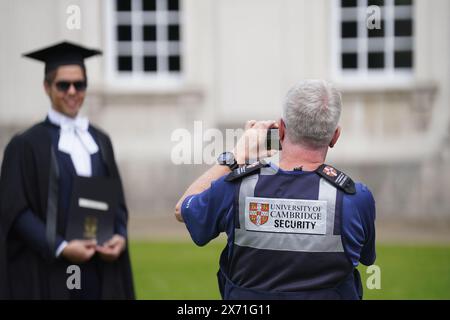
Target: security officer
[296,230]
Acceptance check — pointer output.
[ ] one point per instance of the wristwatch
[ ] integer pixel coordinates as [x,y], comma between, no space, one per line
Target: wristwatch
[227,159]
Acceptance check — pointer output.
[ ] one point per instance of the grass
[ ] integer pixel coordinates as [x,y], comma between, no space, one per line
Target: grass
[411,272]
[183,271]
[175,270]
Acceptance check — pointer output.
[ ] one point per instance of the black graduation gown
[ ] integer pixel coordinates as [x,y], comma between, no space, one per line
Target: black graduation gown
[24,183]
[3,289]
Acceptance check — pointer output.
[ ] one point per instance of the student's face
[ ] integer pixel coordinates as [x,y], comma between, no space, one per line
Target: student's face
[62,91]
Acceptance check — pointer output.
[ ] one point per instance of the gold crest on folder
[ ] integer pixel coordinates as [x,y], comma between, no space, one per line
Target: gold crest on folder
[90,227]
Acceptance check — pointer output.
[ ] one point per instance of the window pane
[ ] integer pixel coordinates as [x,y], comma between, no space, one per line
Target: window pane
[376,60]
[149,33]
[403,59]
[348,3]
[349,29]
[173,5]
[174,63]
[149,5]
[123,5]
[124,33]
[125,63]
[150,63]
[379,3]
[174,32]
[376,33]
[403,28]
[349,60]
[403,2]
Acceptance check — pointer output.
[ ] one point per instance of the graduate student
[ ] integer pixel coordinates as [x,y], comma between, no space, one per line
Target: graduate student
[50,225]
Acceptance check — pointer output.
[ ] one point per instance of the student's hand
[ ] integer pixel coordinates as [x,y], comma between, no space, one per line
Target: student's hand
[112,248]
[252,144]
[79,251]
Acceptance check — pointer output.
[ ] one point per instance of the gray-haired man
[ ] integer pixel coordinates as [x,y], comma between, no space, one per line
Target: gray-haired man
[297,230]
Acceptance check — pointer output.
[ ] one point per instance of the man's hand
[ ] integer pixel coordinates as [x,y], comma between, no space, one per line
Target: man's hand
[112,249]
[252,144]
[79,251]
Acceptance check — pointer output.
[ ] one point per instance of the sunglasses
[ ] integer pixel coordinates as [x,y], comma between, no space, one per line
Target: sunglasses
[64,86]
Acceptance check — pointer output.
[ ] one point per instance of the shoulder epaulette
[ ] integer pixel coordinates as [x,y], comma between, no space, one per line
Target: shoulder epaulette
[336,178]
[246,170]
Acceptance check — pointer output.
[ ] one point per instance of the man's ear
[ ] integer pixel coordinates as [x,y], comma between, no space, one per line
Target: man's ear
[281,130]
[335,138]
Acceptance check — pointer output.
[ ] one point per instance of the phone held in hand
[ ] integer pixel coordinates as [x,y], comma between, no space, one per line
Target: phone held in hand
[273,139]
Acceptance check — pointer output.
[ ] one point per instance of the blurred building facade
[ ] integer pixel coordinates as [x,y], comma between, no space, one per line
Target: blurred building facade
[168,63]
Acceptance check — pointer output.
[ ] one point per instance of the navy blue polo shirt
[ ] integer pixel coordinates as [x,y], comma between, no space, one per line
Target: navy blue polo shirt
[211,212]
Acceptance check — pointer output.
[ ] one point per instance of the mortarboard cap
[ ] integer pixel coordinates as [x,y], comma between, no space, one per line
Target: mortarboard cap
[63,53]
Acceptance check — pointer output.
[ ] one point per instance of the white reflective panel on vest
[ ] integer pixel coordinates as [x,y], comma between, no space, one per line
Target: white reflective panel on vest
[325,241]
[285,215]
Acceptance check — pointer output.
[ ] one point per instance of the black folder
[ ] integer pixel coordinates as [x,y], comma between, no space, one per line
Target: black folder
[92,210]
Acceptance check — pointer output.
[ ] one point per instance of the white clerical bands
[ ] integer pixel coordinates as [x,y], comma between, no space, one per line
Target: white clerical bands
[76,140]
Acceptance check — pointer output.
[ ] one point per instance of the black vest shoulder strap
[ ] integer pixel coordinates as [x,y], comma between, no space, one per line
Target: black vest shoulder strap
[246,170]
[336,178]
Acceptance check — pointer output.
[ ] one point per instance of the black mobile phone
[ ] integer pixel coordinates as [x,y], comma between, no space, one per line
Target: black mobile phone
[273,139]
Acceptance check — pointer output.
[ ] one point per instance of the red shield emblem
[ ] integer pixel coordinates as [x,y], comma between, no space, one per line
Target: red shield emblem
[259,213]
[330,171]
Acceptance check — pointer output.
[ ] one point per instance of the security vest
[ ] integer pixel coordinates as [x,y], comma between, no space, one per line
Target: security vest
[287,241]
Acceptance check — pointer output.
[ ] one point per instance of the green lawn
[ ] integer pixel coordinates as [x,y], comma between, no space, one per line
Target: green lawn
[181,270]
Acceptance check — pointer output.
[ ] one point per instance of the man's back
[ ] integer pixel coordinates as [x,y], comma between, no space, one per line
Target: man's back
[288,231]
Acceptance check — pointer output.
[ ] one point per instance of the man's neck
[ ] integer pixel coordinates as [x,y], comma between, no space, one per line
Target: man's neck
[295,156]
[61,115]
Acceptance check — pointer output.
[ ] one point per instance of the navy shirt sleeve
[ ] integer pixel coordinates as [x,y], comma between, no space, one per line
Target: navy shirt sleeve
[31,229]
[120,223]
[205,214]
[359,226]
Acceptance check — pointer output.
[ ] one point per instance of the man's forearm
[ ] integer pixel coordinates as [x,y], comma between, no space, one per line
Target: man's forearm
[201,184]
